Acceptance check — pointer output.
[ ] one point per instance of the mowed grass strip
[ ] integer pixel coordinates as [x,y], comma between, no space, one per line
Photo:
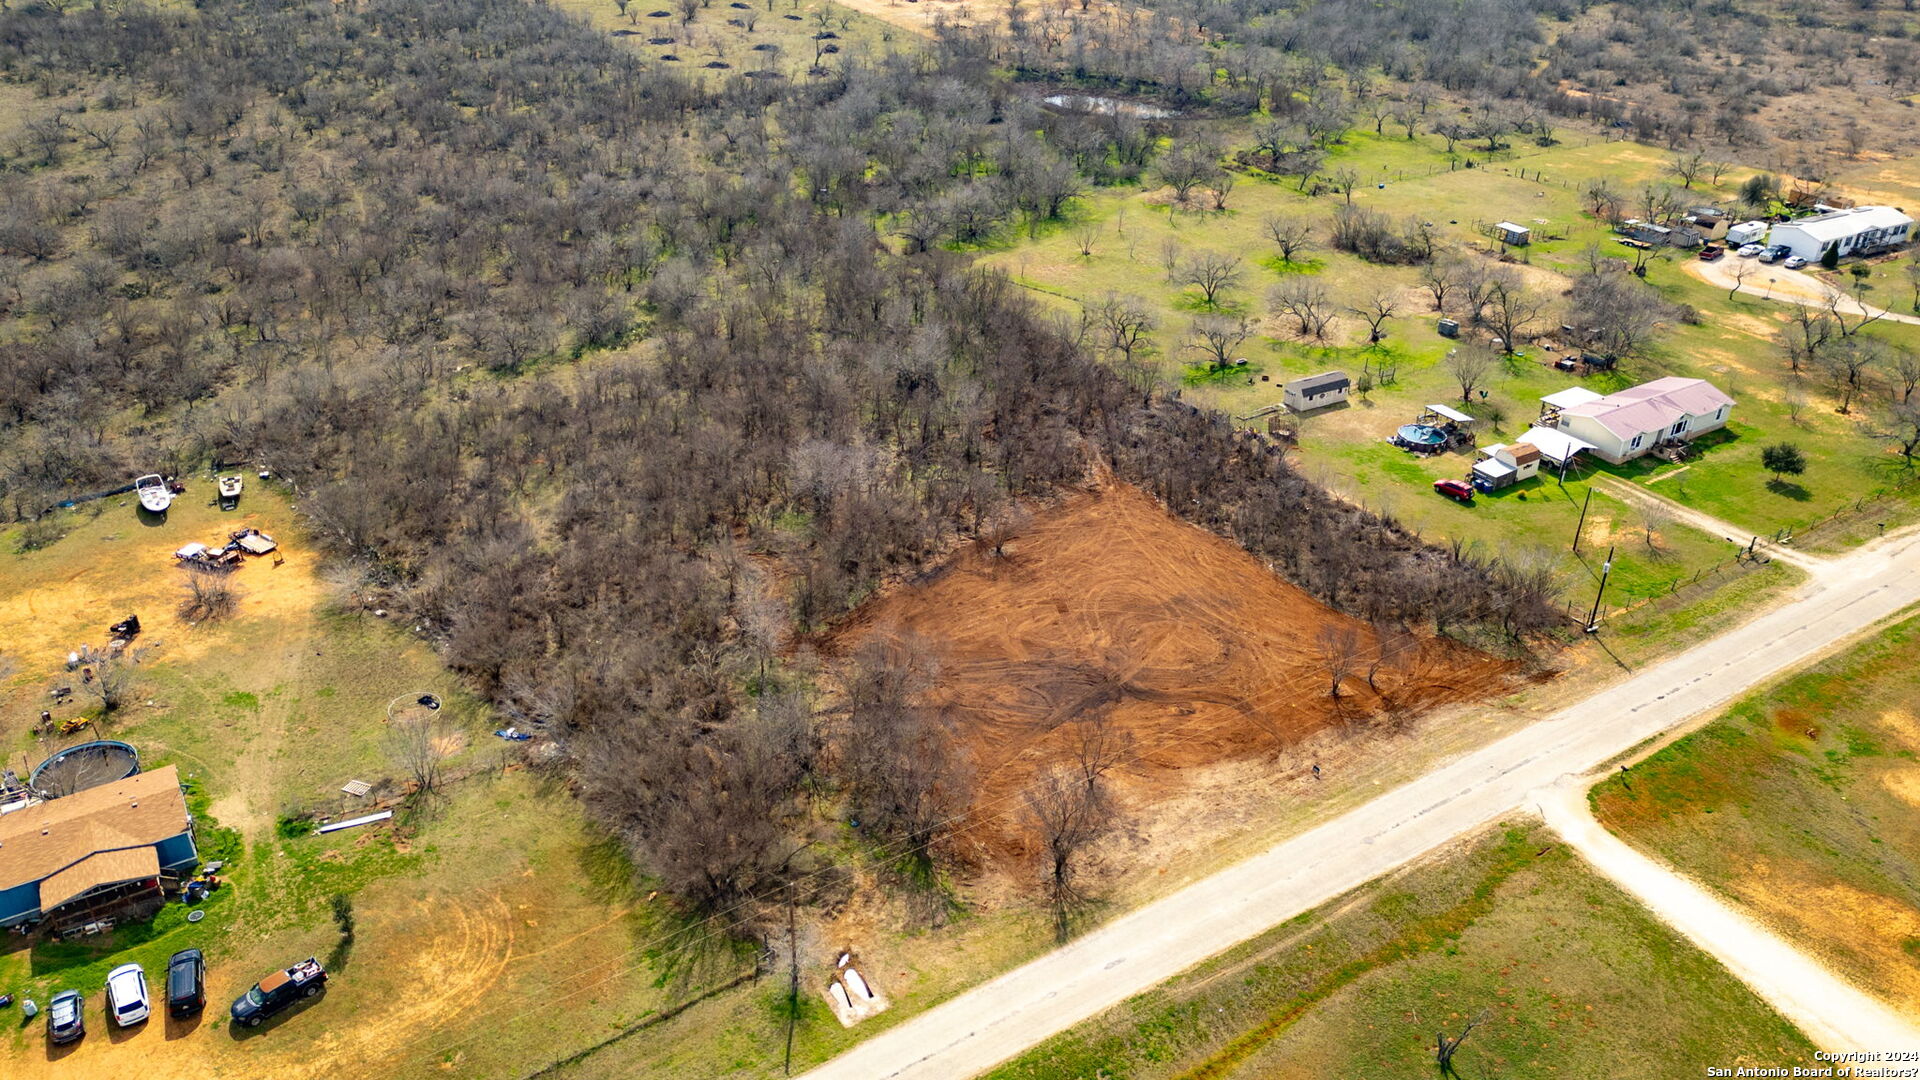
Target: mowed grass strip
[1573,978]
[1799,804]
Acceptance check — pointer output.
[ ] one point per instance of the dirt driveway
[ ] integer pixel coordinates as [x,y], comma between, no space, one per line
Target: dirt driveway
[1776,282]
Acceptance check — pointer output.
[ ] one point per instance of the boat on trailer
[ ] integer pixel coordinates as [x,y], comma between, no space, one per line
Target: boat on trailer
[229,492]
[154,493]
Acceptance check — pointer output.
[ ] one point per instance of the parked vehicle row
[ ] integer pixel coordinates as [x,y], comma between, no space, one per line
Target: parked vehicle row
[128,1003]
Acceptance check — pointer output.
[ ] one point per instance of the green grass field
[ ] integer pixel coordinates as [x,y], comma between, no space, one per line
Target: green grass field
[469,906]
[1573,979]
[1731,344]
[1799,804]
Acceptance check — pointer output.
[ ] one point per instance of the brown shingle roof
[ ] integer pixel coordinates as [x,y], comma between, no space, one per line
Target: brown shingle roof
[1524,452]
[106,868]
[46,838]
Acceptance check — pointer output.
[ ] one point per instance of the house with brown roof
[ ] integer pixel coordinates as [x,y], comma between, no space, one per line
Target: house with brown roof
[112,851]
[1627,423]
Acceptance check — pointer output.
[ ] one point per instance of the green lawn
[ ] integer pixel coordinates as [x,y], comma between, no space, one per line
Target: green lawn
[1799,804]
[1572,977]
[494,893]
[1345,448]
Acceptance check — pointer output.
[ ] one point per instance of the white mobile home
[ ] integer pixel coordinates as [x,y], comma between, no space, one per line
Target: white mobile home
[1859,230]
[1628,423]
[1316,391]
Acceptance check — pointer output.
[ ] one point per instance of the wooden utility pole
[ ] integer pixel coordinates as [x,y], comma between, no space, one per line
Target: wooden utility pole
[1581,527]
[1606,568]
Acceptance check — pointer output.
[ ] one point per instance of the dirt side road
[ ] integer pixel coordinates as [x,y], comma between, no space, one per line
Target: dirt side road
[1776,282]
[991,1023]
[1832,1011]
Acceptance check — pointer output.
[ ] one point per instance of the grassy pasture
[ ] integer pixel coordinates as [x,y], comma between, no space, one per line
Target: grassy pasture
[1574,980]
[464,910]
[1798,804]
[1731,343]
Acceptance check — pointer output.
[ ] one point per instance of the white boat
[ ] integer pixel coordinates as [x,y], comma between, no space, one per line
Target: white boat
[153,492]
[229,492]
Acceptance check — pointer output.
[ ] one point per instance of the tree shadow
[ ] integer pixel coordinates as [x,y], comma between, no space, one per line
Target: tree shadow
[1796,492]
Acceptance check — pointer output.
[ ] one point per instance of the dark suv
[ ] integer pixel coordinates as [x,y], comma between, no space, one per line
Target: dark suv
[64,1022]
[186,983]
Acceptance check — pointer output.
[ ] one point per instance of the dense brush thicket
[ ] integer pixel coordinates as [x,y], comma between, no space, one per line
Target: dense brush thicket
[608,379]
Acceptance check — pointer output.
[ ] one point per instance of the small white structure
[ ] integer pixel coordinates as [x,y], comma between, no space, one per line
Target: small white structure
[1316,391]
[851,997]
[1628,423]
[1501,465]
[1509,233]
[1747,232]
[1861,229]
[1557,448]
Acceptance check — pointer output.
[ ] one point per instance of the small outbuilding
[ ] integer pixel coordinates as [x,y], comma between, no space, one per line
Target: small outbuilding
[1316,391]
[1502,465]
[1509,233]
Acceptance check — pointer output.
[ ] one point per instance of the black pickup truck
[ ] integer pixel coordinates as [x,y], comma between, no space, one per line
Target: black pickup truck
[279,990]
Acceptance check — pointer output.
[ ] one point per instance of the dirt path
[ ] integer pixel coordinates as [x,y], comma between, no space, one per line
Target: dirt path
[1636,496]
[1776,282]
[1832,1011]
[976,1030]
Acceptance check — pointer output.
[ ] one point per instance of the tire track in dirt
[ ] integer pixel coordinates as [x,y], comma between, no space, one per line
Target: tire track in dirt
[1108,606]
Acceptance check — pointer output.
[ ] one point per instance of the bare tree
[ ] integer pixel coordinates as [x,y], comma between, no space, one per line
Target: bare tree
[1393,642]
[1687,167]
[1470,365]
[1902,429]
[1212,273]
[210,595]
[419,743]
[116,675]
[1741,271]
[1217,337]
[1847,364]
[1085,237]
[1066,815]
[1905,369]
[1339,655]
[1511,309]
[1654,517]
[1306,302]
[907,776]
[1123,324]
[1836,308]
[1292,235]
[1376,310]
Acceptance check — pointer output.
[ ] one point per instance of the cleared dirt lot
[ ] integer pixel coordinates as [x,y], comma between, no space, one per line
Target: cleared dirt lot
[1108,606]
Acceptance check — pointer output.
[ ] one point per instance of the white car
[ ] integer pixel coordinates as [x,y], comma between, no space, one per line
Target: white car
[1794,262]
[1748,251]
[127,995]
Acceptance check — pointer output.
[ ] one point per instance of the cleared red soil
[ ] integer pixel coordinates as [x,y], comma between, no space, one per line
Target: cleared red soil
[1109,606]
